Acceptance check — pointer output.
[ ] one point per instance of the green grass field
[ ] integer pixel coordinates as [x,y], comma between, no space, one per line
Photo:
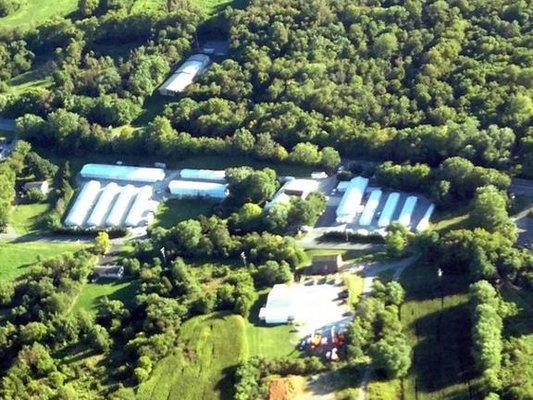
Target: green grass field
[17,258]
[27,218]
[213,345]
[92,293]
[268,340]
[435,315]
[35,12]
[173,211]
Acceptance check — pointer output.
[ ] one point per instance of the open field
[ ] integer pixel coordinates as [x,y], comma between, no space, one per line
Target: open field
[213,345]
[92,293]
[173,211]
[17,258]
[27,218]
[436,318]
[35,12]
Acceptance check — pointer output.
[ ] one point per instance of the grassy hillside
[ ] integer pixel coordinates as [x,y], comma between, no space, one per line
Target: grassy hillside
[212,346]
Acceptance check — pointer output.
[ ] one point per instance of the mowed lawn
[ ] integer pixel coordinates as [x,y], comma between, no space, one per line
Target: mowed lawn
[173,211]
[92,293]
[27,218]
[35,12]
[17,258]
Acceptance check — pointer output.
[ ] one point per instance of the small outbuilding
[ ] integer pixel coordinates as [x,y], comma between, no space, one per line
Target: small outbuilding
[107,272]
[41,186]
[325,264]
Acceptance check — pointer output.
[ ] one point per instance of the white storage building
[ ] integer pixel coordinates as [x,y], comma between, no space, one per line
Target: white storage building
[103,205]
[407,211]
[83,204]
[122,173]
[184,75]
[423,224]
[351,200]
[295,187]
[122,205]
[142,204]
[388,210]
[313,306]
[370,208]
[203,174]
[183,189]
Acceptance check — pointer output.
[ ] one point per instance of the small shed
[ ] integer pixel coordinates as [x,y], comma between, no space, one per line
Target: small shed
[326,264]
[41,186]
[108,272]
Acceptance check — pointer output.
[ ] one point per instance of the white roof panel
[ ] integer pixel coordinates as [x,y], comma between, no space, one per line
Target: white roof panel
[351,200]
[83,204]
[103,205]
[184,188]
[407,211]
[388,210]
[423,224]
[122,173]
[203,174]
[370,208]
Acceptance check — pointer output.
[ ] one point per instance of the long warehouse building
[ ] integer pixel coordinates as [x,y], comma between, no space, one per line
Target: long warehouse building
[423,224]
[370,208]
[407,211]
[188,189]
[388,210]
[123,203]
[351,200]
[122,173]
[103,205]
[143,202]
[203,174]
[83,204]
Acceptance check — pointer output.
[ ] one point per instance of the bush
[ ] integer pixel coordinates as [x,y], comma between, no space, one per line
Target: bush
[8,7]
[34,195]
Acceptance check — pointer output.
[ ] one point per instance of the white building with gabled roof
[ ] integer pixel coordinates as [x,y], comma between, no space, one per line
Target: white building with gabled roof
[184,75]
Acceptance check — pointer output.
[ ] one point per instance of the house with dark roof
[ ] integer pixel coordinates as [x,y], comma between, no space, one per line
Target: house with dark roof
[325,264]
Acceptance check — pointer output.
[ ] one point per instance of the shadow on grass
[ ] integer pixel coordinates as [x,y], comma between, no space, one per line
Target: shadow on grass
[441,357]
[421,282]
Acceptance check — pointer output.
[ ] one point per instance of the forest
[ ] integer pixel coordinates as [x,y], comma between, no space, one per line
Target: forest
[427,96]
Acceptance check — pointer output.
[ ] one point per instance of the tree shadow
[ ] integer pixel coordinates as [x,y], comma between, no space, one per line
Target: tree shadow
[441,357]
[421,282]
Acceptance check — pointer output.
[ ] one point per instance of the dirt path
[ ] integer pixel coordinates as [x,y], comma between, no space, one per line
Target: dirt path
[369,274]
